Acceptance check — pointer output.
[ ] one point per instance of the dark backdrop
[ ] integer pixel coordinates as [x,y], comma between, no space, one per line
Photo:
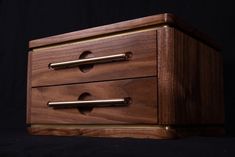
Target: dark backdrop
[23,20]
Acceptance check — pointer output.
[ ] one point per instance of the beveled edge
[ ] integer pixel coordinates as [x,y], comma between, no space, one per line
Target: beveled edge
[101,30]
[113,131]
[122,27]
[127,131]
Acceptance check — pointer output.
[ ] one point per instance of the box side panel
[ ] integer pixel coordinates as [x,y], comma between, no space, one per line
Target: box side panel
[190,81]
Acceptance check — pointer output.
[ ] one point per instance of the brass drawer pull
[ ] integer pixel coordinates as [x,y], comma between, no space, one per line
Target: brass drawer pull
[94,60]
[91,103]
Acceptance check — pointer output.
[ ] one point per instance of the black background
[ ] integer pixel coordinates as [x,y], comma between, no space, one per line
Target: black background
[23,20]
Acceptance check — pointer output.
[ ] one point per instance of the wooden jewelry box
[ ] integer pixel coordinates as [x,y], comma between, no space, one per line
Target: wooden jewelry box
[153,77]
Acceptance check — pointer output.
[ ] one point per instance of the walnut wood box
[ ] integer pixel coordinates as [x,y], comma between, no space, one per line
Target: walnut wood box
[153,77]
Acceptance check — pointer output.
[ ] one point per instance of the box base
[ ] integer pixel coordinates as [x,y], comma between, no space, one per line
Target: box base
[130,131]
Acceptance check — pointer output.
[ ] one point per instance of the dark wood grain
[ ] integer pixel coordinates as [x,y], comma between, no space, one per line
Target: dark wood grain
[130,131]
[101,31]
[175,80]
[143,108]
[153,132]
[190,80]
[122,27]
[142,64]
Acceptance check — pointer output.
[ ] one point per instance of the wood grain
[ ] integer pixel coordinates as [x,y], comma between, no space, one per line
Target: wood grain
[189,80]
[143,108]
[175,79]
[153,132]
[122,27]
[134,131]
[142,64]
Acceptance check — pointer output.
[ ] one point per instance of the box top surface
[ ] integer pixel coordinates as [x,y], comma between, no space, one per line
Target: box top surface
[125,26]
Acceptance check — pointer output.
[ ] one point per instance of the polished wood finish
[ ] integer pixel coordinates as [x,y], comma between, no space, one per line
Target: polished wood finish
[139,111]
[190,80]
[142,64]
[136,131]
[153,132]
[175,79]
[122,27]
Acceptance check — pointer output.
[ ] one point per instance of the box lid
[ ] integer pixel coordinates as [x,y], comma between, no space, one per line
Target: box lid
[140,23]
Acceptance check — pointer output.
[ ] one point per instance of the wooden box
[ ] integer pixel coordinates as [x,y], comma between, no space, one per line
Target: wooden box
[153,77]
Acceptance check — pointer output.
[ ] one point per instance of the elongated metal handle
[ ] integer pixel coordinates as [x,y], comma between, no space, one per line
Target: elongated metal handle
[94,60]
[90,103]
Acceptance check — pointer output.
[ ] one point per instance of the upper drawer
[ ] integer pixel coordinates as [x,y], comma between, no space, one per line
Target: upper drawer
[105,54]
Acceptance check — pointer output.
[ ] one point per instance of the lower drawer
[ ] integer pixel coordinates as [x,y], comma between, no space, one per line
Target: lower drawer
[130,101]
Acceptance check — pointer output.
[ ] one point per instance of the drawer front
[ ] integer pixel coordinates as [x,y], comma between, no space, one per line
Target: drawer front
[141,62]
[141,109]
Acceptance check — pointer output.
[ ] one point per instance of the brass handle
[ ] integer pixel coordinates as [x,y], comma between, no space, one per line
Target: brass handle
[91,103]
[94,60]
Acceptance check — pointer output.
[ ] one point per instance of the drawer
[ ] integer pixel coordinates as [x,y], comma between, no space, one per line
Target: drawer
[129,55]
[130,101]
